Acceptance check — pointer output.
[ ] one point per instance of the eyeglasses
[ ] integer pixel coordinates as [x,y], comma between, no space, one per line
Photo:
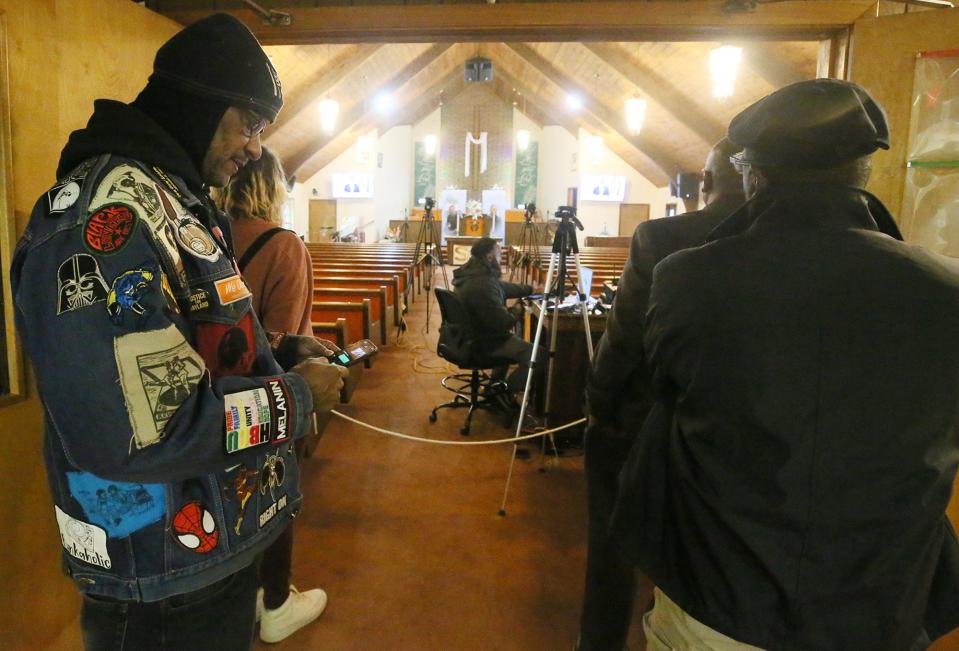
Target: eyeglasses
[253,125]
[739,164]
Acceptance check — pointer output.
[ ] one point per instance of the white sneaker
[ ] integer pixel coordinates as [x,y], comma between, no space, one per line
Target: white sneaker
[299,609]
[259,605]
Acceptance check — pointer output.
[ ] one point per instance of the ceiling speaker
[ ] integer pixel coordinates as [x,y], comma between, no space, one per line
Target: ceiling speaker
[478,69]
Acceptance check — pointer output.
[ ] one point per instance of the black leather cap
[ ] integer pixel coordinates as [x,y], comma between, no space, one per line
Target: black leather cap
[810,124]
[219,57]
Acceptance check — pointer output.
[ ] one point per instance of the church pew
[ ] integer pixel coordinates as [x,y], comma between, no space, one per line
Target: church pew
[337,333]
[394,300]
[377,297]
[358,316]
[345,271]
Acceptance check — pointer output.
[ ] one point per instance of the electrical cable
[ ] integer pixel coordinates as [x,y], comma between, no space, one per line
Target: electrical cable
[419,439]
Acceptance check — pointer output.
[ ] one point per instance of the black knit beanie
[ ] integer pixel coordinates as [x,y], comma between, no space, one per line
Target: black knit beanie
[219,57]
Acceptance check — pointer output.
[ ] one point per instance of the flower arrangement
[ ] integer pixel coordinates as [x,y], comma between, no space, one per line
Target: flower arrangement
[474,208]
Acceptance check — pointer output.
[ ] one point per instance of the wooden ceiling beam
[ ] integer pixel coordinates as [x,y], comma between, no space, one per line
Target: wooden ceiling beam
[346,63]
[770,65]
[356,111]
[611,20]
[660,91]
[603,118]
[451,85]
[535,107]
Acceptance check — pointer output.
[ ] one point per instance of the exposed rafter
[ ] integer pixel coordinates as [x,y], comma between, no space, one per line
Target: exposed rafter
[603,118]
[770,65]
[451,85]
[356,111]
[613,20]
[347,61]
[534,106]
[660,91]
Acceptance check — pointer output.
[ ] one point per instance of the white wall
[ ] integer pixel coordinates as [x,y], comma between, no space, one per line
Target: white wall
[563,160]
[596,214]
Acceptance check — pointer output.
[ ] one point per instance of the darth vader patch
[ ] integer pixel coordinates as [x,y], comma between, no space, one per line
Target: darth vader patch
[79,283]
[109,228]
[227,349]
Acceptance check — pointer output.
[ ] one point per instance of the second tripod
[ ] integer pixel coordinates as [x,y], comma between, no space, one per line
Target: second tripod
[428,254]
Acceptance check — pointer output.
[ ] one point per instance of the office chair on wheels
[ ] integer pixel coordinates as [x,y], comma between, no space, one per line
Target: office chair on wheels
[459,344]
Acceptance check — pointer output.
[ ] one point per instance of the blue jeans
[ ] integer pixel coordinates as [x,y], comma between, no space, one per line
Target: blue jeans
[219,616]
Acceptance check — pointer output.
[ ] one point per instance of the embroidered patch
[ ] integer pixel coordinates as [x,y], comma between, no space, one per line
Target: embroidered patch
[247,416]
[80,172]
[120,508]
[83,540]
[280,402]
[158,371]
[79,283]
[240,488]
[172,304]
[199,300]
[194,527]
[128,185]
[127,294]
[168,182]
[195,239]
[61,197]
[271,511]
[272,475]
[227,349]
[231,289]
[109,228]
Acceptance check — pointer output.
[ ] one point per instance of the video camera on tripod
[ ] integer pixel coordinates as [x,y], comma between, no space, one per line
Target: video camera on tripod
[428,204]
[530,213]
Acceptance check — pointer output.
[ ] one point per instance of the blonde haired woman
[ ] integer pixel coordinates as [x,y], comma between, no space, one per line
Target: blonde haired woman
[276,265]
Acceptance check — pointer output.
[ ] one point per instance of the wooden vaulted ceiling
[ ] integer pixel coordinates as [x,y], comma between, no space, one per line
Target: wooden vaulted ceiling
[327,53]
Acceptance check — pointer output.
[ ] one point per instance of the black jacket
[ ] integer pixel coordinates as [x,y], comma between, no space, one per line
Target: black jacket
[618,387]
[790,485]
[478,286]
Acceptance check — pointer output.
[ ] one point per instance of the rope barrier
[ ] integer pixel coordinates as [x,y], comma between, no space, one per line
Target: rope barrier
[420,439]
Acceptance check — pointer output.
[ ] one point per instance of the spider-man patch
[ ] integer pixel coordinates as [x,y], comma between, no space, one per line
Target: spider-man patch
[227,349]
[194,527]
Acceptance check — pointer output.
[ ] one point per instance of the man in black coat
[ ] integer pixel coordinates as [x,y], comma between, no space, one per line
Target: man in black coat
[478,285]
[789,489]
[618,395]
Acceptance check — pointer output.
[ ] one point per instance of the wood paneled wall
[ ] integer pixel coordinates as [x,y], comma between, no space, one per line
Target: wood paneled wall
[62,55]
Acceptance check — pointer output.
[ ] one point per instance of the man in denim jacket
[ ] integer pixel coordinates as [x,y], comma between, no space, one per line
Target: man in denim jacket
[169,421]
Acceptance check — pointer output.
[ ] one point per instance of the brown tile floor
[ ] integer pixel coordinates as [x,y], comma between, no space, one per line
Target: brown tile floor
[406,539]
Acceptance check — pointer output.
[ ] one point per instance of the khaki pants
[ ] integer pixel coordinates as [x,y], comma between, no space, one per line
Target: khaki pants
[669,628]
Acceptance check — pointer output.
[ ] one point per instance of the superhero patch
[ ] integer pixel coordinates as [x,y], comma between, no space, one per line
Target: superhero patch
[129,293]
[227,349]
[231,289]
[158,371]
[240,488]
[247,419]
[272,475]
[109,228]
[79,283]
[82,540]
[120,508]
[194,527]
[270,512]
[61,197]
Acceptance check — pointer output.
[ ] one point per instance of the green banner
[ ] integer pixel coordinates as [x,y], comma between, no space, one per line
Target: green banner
[527,166]
[424,174]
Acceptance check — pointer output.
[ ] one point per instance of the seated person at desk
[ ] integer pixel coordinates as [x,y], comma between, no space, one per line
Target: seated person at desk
[477,284]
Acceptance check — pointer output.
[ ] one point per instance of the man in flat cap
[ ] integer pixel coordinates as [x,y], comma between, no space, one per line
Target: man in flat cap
[160,388]
[788,490]
[619,398]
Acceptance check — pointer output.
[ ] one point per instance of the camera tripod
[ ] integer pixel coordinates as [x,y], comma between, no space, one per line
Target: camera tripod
[557,276]
[523,262]
[427,240]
